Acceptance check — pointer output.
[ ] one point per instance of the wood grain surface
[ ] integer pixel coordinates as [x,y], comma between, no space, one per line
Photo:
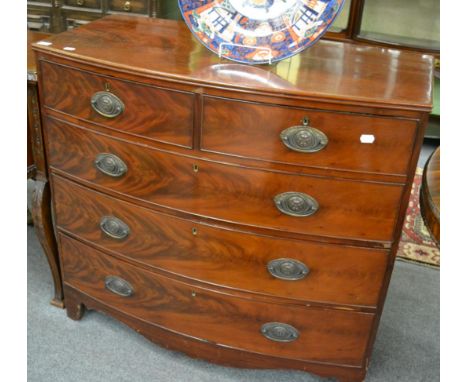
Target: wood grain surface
[78,302]
[161,115]
[231,259]
[335,71]
[202,173]
[326,335]
[253,130]
[354,210]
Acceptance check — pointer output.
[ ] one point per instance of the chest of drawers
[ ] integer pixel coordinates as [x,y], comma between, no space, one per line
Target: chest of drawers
[248,216]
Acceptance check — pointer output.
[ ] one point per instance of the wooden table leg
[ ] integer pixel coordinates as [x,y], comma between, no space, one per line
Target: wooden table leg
[41,212]
[41,200]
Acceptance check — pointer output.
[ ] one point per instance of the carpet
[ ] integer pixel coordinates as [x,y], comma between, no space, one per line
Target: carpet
[416,243]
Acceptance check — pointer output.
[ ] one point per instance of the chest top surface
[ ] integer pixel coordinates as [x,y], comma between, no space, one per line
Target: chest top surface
[33,37]
[328,70]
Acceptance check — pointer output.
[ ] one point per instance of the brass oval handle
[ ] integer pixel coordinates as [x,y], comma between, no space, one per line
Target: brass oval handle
[127,6]
[80,2]
[119,286]
[287,269]
[296,204]
[110,164]
[279,332]
[304,139]
[107,104]
[114,227]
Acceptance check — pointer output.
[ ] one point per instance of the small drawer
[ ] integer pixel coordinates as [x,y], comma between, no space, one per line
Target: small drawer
[308,137]
[129,107]
[254,197]
[95,4]
[300,270]
[129,6]
[282,330]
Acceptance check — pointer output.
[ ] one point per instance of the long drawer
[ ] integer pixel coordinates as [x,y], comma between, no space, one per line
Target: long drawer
[300,270]
[254,197]
[308,137]
[286,331]
[141,110]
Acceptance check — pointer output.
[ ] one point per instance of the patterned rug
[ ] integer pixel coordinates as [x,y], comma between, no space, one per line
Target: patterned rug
[416,243]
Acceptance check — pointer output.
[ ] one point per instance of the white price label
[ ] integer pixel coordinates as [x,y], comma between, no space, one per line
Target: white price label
[367,138]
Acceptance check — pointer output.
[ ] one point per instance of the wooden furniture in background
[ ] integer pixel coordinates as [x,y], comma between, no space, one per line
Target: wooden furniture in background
[246,215]
[393,23]
[430,195]
[55,16]
[361,21]
[37,170]
[32,85]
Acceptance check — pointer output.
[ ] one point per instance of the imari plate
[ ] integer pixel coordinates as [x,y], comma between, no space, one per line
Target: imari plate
[259,31]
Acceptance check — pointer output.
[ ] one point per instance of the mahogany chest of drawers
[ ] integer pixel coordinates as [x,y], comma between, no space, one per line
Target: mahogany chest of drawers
[248,216]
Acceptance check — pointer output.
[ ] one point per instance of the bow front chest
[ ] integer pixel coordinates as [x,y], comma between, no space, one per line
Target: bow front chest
[246,215]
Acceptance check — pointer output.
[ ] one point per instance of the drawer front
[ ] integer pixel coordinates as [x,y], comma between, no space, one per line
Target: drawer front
[300,270]
[347,209]
[145,111]
[332,336]
[129,6]
[95,4]
[254,131]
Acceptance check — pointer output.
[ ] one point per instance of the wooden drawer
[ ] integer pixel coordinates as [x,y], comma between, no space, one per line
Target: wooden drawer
[129,6]
[324,335]
[348,209]
[253,131]
[337,275]
[95,4]
[149,112]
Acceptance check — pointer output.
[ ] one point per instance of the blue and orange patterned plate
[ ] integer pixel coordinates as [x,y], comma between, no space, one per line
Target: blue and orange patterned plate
[259,31]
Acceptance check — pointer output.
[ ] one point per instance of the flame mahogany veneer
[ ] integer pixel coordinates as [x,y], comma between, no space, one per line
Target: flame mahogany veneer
[234,213]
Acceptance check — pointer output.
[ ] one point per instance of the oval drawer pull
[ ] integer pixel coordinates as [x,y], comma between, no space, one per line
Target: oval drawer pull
[107,104]
[287,269]
[304,139]
[296,204]
[127,6]
[279,332]
[114,228]
[80,2]
[118,286]
[110,164]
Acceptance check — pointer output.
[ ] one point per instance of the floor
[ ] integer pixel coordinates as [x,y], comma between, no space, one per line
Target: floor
[99,348]
[427,149]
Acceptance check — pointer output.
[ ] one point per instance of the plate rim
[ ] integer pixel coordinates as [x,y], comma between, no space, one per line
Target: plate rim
[264,62]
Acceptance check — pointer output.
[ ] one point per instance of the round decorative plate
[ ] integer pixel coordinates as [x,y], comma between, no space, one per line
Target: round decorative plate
[259,31]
